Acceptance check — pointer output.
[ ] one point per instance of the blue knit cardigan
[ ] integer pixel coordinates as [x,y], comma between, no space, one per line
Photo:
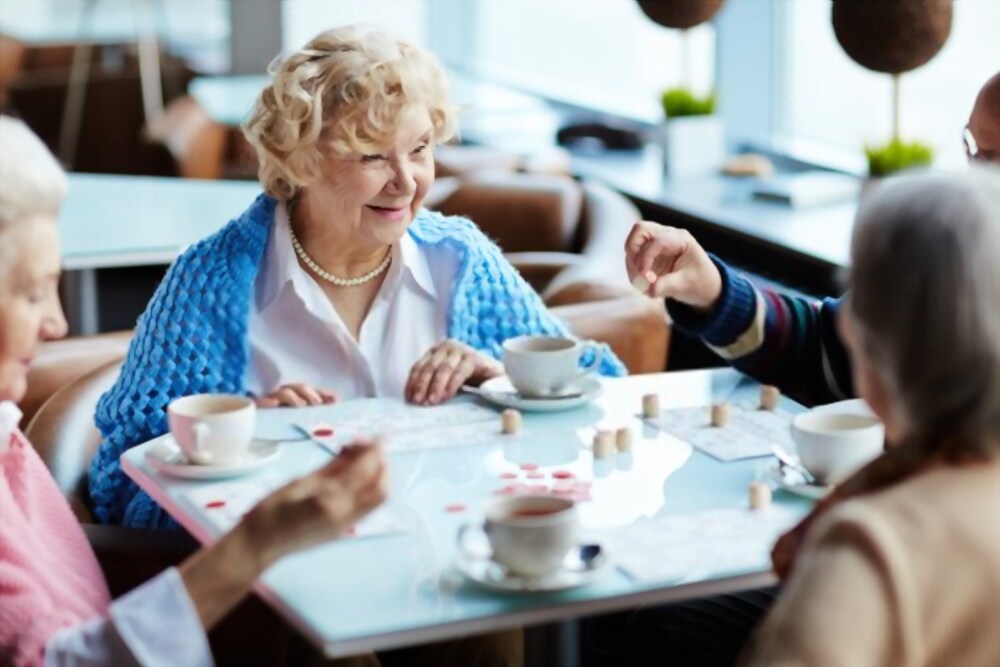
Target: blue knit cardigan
[193,337]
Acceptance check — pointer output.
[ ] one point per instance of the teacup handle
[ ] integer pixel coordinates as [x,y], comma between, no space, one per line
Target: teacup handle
[590,346]
[463,541]
[201,434]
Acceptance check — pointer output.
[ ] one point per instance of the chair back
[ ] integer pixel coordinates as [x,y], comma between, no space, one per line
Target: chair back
[62,431]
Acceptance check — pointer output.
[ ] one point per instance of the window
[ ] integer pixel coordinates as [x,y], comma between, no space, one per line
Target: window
[831,99]
[603,54]
[304,19]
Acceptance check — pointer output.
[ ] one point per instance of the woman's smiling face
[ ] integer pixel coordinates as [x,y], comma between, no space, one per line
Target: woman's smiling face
[374,197]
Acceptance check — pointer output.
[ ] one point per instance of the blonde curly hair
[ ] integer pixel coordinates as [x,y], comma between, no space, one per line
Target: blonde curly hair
[344,91]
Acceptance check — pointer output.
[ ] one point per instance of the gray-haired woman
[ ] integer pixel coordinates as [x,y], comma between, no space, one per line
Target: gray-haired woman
[901,564]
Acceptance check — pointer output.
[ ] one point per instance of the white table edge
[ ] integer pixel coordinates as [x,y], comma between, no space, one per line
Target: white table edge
[481,625]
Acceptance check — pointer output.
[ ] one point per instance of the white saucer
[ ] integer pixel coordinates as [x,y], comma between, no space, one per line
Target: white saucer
[168,458]
[490,574]
[811,491]
[500,391]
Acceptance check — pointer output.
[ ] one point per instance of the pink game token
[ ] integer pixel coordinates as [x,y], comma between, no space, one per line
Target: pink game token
[529,466]
[563,474]
[563,492]
[508,475]
[534,474]
[215,504]
[323,432]
[505,490]
[454,509]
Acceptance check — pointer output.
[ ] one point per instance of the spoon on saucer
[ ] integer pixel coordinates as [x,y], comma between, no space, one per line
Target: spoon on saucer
[787,461]
[584,558]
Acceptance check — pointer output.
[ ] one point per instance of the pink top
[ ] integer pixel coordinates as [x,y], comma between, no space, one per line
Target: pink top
[49,576]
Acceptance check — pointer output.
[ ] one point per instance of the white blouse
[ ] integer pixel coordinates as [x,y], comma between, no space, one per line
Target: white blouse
[296,335]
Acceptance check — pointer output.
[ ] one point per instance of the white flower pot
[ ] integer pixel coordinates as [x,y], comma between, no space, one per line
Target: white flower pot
[693,145]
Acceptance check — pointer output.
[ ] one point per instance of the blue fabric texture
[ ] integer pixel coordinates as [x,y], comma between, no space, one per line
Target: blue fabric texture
[192,338]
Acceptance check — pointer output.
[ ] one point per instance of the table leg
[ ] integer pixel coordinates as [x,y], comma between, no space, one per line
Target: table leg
[552,644]
[79,298]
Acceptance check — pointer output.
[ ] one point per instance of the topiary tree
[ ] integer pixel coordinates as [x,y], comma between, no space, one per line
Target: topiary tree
[683,15]
[893,36]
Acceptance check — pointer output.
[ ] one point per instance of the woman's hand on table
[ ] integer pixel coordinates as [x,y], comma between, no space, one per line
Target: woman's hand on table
[296,396]
[672,265]
[443,369]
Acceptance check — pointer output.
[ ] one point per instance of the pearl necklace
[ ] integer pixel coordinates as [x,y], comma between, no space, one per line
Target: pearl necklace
[329,277]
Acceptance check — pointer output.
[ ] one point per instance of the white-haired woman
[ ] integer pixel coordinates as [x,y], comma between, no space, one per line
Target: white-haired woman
[335,282]
[901,564]
[55,608]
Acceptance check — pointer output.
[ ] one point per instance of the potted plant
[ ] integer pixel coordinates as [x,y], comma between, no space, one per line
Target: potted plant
[893,36]
[693,138]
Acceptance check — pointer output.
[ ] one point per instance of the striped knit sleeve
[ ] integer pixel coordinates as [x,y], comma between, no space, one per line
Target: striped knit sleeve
[787,341]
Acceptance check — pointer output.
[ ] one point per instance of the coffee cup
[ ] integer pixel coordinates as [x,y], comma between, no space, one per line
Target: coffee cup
[832,445]
[529,535]
[213,429]
[546,365]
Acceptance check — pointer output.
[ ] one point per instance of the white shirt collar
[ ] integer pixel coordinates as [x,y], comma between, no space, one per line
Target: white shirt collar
[282,267]
[10,417]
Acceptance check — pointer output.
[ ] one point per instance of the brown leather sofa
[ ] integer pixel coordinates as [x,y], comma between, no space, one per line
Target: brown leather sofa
[567,239]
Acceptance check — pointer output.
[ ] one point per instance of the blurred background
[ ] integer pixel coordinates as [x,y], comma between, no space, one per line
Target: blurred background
[569,88]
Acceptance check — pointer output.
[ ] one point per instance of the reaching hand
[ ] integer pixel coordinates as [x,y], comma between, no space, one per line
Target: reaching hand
[673,264]
[320,506]
[441,372]
[296,396]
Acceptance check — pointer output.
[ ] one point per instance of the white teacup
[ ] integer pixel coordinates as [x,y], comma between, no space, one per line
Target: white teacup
[546,365]
[213,429]
[833,445]
[529,535]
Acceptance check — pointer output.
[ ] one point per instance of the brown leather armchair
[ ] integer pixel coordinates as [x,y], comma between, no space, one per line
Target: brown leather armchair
[567,239]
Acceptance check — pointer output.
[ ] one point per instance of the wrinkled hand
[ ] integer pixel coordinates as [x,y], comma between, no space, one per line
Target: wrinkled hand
[442,371]
[673,263]
[296,396]
[319,506]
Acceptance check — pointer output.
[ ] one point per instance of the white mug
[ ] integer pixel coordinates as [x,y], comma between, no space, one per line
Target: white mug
[833,445]
[213,429]
[546,365]
[528,535]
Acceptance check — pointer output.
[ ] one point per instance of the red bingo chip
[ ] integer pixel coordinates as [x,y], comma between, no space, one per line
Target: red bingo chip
[508,475]
[215,504]
[323,432]
[563,474]
[529,466]
[454,509]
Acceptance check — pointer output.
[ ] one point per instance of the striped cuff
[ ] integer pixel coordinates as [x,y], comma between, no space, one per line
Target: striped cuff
[732,317]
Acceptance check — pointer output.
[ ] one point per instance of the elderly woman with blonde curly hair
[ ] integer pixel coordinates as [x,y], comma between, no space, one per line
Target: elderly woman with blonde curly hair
[335,282]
